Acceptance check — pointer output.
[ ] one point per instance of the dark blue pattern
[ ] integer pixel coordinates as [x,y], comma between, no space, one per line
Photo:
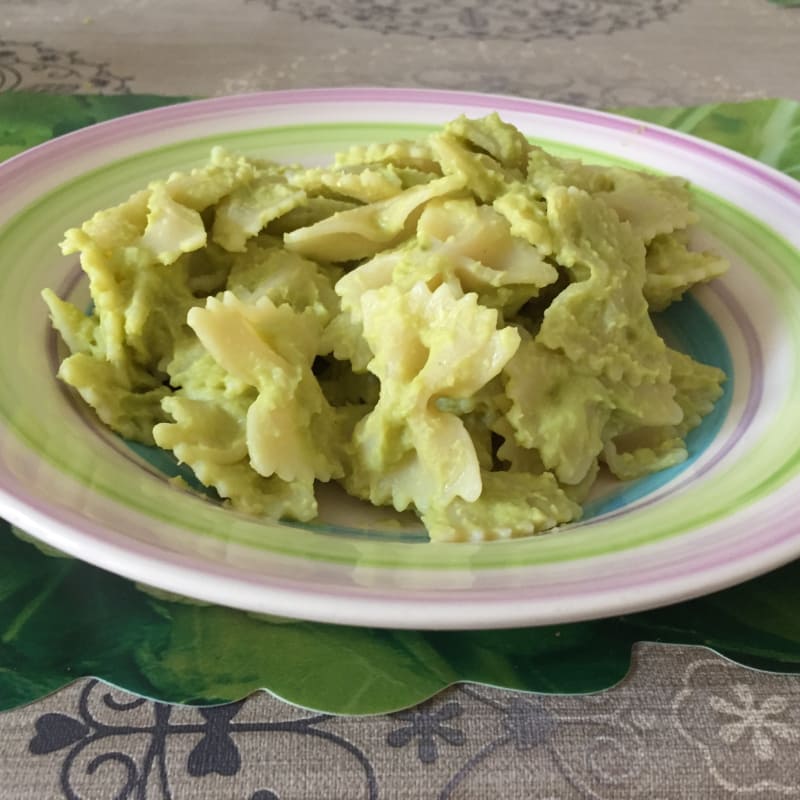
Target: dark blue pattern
[215,753]
[36,67]
[425,725]
[511,20]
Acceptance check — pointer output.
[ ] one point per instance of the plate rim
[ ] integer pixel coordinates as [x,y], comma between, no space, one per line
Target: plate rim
[28,519]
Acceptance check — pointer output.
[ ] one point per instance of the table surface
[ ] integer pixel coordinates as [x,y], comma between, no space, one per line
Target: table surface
[685,722]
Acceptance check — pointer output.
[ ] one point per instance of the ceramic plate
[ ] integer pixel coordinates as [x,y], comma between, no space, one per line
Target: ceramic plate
[728,513]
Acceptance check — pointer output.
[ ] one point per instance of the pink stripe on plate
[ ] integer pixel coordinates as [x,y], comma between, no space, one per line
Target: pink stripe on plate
[82,141]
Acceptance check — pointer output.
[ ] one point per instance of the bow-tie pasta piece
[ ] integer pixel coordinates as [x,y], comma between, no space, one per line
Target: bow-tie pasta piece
[290,425]
[523,204]
[652,204]
[698,386]
[494,137]
[124,397]
[486,178]
[313,210]
[474,245]
[648,444]
[647,403]
[512,504]
[556,410]
[546,171]
[207,270]
[672,269]
[81,333]
[481,413]
[511,455]
[266,269]
[245,193]
[456,366]
[209,436]
[248,209]
[601,319]
[569,416]
[525,209]
[369,276]
[467,246]
[344,335]
[343,338]
[209,407]
[599,359]
[402,464]
[523,459]
[364,184]
[205,186]
[407,450]
[640,452]
[172,229]
[403,155]
[364,231]
[488,153]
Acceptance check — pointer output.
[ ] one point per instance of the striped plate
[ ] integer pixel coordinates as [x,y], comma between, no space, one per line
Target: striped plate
[729,513]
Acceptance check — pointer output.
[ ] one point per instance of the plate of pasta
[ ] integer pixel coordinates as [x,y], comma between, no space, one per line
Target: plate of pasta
[402,358]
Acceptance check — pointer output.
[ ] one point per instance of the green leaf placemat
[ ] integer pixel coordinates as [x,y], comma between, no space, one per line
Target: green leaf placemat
[61,619]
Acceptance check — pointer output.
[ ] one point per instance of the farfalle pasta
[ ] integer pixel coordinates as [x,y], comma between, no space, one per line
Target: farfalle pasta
[399,445]
[459,325]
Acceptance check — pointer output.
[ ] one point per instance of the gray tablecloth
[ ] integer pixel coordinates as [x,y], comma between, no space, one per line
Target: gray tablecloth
[619,52]
[685,723]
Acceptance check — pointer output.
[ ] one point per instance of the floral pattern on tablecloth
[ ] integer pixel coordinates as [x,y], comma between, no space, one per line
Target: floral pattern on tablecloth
[745,725]
[511,20]
[37,67]
[684,724]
